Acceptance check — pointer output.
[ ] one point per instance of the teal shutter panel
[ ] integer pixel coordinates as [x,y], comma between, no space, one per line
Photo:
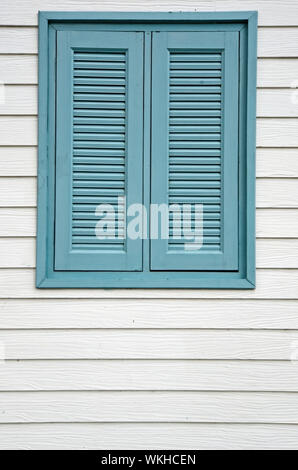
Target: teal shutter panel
[195,149]
[98,149]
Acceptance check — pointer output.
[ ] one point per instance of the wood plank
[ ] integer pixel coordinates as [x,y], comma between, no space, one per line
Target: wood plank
[148,313]
[277,12]
[277,132]
[18,40]
[271,162]
[277,102]
[272,42]
[22,69]
[18,161]
[277,42]
[17,192]
[275,192]
[17,252]
[104,436]
[268,12]
[148,344]
[277,253]
[271,253]
[149,375]
[19,100]
[22,130]
[18,69]
[271,284]
[18,130]
[142,406]
[277,223]
[271,223]
[271,192]
[277,73]
[277,163]
[17,222]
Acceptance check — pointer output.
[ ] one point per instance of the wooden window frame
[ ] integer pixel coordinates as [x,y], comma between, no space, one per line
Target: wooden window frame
[245,23]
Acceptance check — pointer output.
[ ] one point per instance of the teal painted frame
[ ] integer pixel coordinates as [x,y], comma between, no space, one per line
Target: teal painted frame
[245,23]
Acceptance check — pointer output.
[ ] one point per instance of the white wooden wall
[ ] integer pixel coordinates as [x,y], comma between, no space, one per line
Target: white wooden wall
[151,368]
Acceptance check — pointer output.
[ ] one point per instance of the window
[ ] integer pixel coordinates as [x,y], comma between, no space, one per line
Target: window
[147,150]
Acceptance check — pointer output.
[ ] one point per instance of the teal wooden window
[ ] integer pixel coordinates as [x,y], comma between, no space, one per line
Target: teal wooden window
[146,115]
[98,146]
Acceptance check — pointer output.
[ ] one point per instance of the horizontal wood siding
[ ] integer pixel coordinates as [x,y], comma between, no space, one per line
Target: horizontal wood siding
[150,368]
[149,407]
[148,436]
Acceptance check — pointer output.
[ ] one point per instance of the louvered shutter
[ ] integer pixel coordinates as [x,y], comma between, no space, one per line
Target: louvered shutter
[98,148]
[195,148]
